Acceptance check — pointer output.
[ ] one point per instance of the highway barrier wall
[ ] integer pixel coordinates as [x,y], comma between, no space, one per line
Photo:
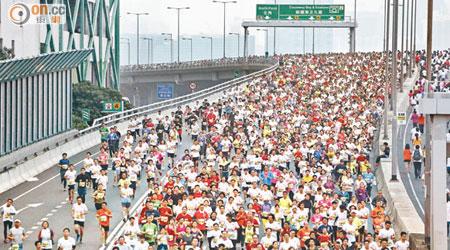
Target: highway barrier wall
[400,208]
[23,165]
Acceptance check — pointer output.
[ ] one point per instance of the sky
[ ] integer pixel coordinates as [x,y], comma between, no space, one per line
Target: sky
[205,18]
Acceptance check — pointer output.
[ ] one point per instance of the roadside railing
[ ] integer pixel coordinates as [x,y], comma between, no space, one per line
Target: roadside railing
[152,108]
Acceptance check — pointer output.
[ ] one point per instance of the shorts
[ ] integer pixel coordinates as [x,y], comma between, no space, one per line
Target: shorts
[77,222]
[98,206]
[171,155]
[152,179]
[408,161]
[104,167]
[194,159]
[126,204]
[133,185]
[106,228]
[71,187]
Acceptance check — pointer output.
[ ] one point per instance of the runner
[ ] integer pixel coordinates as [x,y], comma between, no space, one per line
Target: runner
[46,236]
[79,212]
[66,242]
[63,165]
[70,176]
[103,216]
[8,211]
[17,235]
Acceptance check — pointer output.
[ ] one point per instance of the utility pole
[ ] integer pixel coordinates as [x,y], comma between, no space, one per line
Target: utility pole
[275,37]
[428,220]
[137,32]
[149,49]
[313,33]
[402,80]
[394,91]
[178,32]
[384,28]
[224,20]
[238,37]
[267,40]
[408,49]
[128,43]
[210,38]
[386,72]
[171,44]
[413,53]
[189,39]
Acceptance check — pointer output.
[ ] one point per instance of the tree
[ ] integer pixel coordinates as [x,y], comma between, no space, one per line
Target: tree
[6,53]
[89,96]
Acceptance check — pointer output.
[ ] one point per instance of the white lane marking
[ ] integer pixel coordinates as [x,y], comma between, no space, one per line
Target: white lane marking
[54,210]
[43,219]
[38,223]
[43,183]
[34,228]
[49,215]
[34,205]
[59,206]
[407,174]
[29,232]
[63,202]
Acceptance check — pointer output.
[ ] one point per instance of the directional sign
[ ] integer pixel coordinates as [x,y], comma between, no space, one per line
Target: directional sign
[401,118]
[291,12]
[266,12]
[165,91]
[85,114]
[112,106]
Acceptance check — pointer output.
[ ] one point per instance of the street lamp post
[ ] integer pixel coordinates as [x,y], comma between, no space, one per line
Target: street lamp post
[224,15]
[189,39]
[239,43]
[137,32]
[394,91]
[150,49]
[210,38]
[128,43]
[178,34]
[267,39]
[171,44]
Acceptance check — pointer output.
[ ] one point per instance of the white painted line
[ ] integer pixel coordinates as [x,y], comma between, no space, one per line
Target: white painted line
[409,177]
[49,215]
[59,206]
[34,228]
[38,223]
[29,232]
[45,182]
[63,202]
[54,210]
[43,219]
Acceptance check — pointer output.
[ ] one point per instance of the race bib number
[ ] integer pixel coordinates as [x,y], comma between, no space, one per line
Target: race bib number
[81,184]
[103,218]
[164,218]
[150,231]
[100,195]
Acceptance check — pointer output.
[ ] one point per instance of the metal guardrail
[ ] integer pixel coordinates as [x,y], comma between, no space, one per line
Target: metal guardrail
[153,108]
[196,64]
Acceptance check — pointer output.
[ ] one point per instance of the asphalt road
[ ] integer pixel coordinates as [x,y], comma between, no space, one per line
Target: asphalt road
[44,199]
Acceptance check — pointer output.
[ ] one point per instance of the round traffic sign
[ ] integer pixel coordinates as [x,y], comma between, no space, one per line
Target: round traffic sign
[193,85]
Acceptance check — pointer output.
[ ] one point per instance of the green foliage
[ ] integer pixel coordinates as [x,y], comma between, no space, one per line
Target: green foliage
[6,53]
[89,96]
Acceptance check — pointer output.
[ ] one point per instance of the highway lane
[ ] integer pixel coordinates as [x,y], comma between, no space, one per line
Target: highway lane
[52,203]
[413,186]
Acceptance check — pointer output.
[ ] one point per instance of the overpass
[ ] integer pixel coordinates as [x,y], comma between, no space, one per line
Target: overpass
[138,79]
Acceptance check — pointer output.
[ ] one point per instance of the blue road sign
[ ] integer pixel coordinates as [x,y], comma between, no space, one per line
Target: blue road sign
[165,91]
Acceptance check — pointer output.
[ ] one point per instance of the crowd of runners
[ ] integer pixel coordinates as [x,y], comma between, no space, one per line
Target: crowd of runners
[282,162]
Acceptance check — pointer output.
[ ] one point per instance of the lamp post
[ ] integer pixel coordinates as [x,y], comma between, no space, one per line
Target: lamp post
[224,15]
[137,32]
[267,40]
[128,43]
[171,44]
[239,42]
[150,49]
[178,32]
[210,38]
[189,39]
[394,91]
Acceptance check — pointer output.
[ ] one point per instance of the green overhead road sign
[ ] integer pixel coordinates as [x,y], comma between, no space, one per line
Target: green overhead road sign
[85,115]
[291,12]
[112,106]
[267,11]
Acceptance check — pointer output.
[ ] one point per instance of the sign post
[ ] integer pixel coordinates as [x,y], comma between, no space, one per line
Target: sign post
[85,115]
[112,106]
[304,12]
[401,118]
[165,91]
